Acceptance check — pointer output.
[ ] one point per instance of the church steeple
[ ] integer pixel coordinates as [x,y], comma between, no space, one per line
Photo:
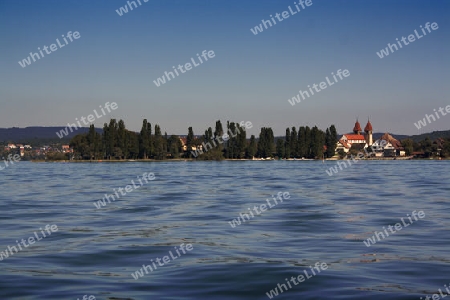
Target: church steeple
[357,129]
[368,131]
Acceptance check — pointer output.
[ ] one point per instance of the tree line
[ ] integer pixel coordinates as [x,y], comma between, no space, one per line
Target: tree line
[116,142]
[308,143]
[428,148]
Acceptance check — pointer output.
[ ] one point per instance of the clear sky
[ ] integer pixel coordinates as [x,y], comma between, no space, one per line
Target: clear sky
[251,77]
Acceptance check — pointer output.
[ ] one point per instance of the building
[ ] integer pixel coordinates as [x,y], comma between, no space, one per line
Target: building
[368,132]
[389,146]
[357,139]
[184,145]
[66,149]
[343,145]
[386,146]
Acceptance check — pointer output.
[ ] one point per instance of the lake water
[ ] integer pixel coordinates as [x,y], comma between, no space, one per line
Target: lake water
[325,220]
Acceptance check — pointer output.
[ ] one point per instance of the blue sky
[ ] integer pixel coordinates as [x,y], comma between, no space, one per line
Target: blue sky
[251,76]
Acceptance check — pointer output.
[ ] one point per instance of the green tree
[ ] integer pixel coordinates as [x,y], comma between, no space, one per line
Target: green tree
[252,147]
[446,148]
[94,142]
[427,147]
[112,146]
[121,139]
[218,132]
[294,144]
[317,142]
[331,141]
[190,141]
[232,146]
[407,144]
[159,144]
[132,144]
[144,140]
[109,138]
[80,146]
[287,143]
[174,146]
[266,145]
[307,143]
[280,148]
[301,142]
[241,142]
[150,145]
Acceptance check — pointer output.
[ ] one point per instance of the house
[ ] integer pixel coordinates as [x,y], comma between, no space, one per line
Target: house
[343,145]
[378,147]
[183,141]
[183,144]
[388,146]
[66,149]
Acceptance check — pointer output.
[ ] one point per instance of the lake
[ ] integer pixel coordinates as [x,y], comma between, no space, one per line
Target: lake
[99,250]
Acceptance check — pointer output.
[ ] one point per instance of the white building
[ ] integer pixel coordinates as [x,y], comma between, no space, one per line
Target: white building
[359,138]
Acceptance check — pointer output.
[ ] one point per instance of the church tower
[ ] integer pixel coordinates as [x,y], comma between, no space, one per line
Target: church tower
[357,129]
[368,131]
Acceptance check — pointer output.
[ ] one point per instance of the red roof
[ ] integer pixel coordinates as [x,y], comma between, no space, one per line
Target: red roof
[357,127]
[354,137]
[344,143]
[389,138]
[368,126]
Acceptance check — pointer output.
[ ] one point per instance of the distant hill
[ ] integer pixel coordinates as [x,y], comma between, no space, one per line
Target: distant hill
[419,137]
[398,137]
[431,135]
[29,134]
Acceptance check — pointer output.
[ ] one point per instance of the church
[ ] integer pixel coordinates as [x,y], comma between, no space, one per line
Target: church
[358,138]
[386,146]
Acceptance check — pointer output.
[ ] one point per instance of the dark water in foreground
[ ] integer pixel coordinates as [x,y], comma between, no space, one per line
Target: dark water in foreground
[326,220]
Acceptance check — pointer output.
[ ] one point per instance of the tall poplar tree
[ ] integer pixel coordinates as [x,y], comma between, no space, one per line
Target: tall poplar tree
[190,141]
[252,147]
[121,139]
[332,142]
[158,144]
[294,145]
[241,141]
[143,140]
[280,148]
[287,143]
[307,142]
[301,142]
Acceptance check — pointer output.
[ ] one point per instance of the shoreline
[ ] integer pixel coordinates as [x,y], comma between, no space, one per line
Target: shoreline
[229,159]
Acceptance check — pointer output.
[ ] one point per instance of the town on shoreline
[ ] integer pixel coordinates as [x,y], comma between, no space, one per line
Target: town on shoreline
[117,144]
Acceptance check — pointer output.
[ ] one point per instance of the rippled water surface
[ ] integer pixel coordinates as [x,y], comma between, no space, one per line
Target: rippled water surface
[327,218]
